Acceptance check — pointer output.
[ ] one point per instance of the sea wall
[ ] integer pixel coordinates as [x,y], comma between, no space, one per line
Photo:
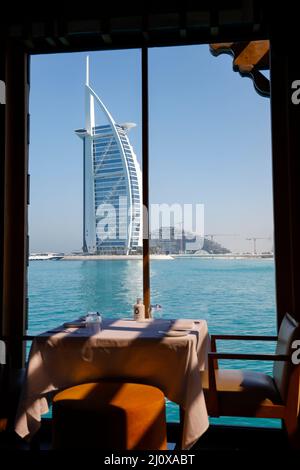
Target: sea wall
[114,257]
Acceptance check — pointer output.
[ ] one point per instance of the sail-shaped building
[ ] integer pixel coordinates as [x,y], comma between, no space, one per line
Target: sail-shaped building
[112,183]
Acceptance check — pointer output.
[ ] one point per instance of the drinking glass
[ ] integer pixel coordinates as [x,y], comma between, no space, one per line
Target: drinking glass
[155,311]
[94,321]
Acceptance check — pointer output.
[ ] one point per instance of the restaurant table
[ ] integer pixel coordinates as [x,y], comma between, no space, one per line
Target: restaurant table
[124,349]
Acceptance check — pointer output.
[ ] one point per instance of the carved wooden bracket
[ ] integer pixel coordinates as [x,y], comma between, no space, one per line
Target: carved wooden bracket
[249,59]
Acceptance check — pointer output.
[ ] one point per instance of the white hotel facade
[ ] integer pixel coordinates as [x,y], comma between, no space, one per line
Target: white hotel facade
[112,183]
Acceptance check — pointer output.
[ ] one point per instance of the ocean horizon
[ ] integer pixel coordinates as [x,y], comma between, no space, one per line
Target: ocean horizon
[234,296]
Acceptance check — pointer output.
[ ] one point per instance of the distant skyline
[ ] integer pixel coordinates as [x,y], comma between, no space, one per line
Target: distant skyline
[210,140]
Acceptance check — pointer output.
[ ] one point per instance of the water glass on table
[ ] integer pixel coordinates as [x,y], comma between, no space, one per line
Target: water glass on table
[155,311]
[94,322]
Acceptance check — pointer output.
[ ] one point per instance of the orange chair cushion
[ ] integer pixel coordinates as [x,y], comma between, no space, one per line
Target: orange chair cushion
[110,415]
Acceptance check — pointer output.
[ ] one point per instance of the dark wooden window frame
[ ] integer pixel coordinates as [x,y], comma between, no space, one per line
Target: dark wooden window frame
[14,184]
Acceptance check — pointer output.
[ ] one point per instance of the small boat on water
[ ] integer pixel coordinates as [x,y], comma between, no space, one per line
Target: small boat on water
[45,256]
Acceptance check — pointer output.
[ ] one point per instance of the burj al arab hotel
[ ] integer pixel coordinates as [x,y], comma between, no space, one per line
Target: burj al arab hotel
[112,183]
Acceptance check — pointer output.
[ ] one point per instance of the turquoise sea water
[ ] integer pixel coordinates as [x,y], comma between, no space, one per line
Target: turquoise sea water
[233,296]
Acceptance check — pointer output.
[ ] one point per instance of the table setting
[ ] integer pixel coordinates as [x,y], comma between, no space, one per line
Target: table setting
[166,353]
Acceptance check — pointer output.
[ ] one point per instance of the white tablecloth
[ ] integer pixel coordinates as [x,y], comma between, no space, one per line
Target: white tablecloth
[137,351]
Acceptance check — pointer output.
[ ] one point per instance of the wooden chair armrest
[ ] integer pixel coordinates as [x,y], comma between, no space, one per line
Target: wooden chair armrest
[244,337]
[247,356]
[213,342]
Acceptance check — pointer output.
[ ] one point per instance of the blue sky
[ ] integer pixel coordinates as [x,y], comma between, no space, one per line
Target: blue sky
[210,140]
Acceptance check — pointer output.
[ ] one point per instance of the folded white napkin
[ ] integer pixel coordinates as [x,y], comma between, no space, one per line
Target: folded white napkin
[182,325]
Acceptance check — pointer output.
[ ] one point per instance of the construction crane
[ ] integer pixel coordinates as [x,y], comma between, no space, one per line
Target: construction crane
[212,235]
[181,224]
[254,242]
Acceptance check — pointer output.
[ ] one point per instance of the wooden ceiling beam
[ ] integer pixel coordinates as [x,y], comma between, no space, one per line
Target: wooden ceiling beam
[249,58]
